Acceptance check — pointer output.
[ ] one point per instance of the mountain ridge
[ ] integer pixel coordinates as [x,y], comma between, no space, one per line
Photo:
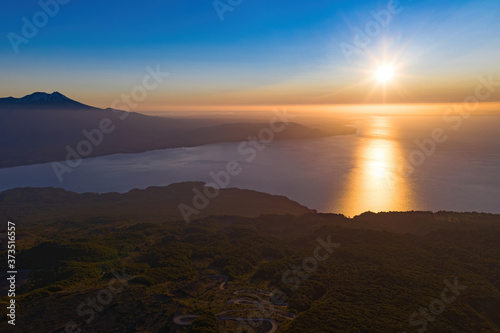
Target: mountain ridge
[43,100]
[152,203]
[41,128]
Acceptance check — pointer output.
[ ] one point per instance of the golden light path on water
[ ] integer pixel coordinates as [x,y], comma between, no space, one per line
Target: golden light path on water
[376,183]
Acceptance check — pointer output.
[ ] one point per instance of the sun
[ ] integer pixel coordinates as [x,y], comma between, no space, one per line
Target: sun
[384,73]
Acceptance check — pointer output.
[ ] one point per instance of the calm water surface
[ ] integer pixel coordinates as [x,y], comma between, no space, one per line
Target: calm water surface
[343,174]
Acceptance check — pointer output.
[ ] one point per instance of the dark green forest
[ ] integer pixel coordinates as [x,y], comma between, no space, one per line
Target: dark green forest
[386,272]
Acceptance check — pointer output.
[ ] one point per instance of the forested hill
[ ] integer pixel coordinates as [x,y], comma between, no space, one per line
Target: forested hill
[28,205]
[292,267]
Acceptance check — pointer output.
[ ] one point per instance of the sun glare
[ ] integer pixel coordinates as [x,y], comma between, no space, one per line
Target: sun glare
[384,73]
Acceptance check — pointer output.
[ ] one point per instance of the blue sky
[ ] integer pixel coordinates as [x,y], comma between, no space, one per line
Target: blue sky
[263,52]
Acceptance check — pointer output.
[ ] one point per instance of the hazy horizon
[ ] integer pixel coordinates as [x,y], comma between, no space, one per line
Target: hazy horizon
[414,109]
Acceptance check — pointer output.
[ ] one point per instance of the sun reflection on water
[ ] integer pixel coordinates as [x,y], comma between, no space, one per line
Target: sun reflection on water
[374,183]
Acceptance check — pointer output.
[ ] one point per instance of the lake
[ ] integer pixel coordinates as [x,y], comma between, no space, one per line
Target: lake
[379,169]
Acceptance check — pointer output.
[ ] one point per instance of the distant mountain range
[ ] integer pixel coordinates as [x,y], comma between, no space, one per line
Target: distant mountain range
[40,100]
[42,127]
